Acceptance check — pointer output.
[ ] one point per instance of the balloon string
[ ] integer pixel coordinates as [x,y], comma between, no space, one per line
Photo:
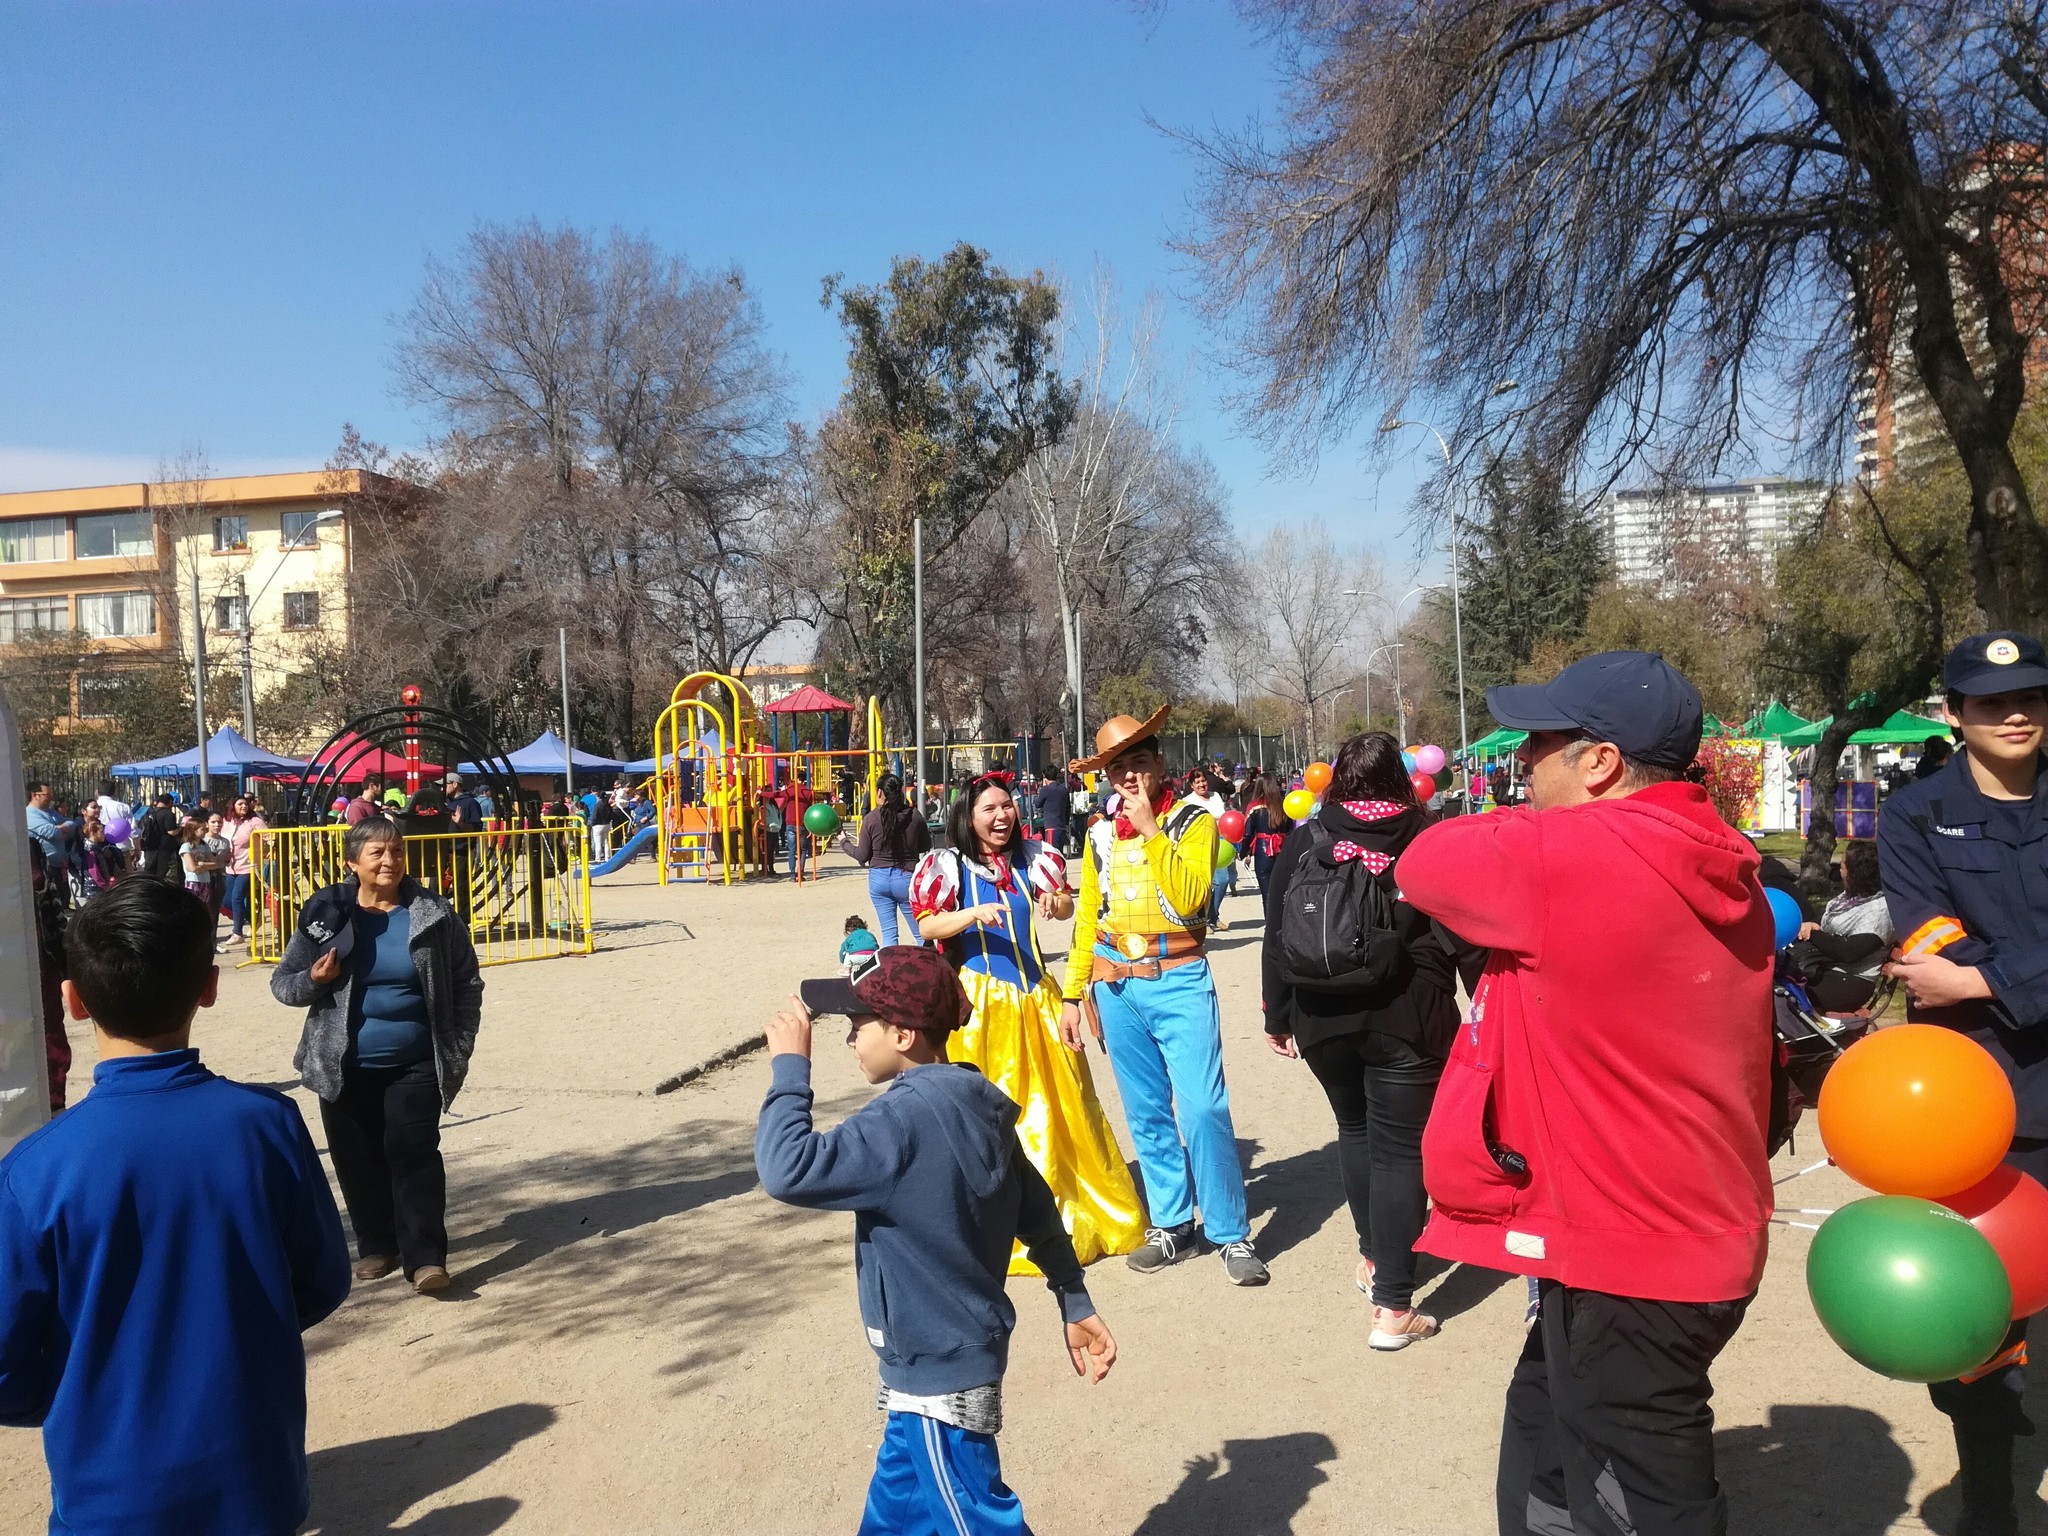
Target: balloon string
[1803,1172]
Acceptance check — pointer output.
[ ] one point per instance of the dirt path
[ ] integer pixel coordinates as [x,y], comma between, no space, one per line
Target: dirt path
[640,1341]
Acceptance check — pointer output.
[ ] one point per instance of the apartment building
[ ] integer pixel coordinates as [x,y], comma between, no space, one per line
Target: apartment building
[1652,532]
[119,565]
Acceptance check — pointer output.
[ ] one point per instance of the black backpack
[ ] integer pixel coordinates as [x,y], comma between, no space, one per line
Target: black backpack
[150,831]
[1336,923]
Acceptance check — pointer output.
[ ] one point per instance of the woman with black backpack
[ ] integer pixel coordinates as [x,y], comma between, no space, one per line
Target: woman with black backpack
[1364,988]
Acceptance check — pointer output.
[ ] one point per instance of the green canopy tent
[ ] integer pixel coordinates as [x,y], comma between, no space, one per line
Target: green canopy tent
[1498,743]
[1903,729]
[1774,724]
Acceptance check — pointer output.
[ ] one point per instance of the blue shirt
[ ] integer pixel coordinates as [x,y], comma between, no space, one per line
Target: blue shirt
[50,830]
[387,1010]
[162,1244]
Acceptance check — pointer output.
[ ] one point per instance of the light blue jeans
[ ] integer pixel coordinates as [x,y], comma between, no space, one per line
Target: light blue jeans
[889,890]
[1165,1043]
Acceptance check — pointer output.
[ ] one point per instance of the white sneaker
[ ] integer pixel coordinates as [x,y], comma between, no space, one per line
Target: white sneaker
[1393,1330]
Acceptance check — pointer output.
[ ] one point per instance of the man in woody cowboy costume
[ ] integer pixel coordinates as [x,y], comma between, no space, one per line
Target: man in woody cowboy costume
[1138,972]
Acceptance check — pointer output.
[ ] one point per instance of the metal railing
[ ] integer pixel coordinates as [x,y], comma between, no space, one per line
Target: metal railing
[523,891]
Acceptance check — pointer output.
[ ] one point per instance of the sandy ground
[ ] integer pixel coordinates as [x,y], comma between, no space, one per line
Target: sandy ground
[640,1341]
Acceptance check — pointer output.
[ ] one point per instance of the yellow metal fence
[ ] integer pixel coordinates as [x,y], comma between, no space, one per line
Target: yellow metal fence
[524,891]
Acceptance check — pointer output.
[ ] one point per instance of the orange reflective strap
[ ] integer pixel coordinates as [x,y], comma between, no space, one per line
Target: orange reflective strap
[1933,936]
[2017,1355]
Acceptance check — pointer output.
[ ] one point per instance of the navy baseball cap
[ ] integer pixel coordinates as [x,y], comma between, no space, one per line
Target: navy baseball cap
[1635,699]
[2003,661]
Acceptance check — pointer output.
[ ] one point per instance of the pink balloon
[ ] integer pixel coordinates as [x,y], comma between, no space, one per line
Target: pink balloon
[1429,759]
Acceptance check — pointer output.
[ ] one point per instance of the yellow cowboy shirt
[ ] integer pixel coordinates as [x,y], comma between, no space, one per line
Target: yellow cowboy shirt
[1157,885]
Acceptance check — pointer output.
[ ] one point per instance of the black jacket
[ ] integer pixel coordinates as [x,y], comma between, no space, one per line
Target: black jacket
[1420,1006]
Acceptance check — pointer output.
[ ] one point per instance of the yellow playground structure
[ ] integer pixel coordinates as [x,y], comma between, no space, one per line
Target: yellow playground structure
[717,769]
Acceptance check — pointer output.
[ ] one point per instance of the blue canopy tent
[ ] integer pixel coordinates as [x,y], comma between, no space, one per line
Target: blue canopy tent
[227,751]
[544,754]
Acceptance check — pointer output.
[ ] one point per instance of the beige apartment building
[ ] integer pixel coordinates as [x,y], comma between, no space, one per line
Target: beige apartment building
[117,563]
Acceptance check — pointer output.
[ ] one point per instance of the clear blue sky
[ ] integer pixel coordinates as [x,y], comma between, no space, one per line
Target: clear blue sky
[214,213]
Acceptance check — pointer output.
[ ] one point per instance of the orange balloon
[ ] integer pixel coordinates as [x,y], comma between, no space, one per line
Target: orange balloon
[1316,776]
[1916,1110]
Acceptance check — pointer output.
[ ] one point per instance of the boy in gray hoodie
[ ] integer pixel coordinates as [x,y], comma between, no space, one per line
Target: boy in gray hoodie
[940,1189]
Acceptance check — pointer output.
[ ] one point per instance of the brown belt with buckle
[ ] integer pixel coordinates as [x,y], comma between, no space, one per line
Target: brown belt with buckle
[1181,949]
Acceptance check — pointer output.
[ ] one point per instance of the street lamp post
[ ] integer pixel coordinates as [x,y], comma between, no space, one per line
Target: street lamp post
[249,618]
[1393,424]
[1395,647]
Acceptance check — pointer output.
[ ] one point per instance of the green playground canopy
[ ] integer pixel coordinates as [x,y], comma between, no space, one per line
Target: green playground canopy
[1903,729]
[1774,724]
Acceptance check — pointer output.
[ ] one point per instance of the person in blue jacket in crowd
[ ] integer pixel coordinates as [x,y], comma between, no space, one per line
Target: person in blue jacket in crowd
[941,1189]
[162,1247]
[1963,854]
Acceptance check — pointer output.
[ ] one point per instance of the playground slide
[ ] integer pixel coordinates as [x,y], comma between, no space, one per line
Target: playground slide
[618,861]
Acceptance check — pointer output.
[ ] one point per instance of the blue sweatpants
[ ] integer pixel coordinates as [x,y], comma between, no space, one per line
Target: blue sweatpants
[1165,1043]
[932,1479]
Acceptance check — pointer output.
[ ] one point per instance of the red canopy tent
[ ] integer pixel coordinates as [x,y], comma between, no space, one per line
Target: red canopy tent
[357,759]
[807,700]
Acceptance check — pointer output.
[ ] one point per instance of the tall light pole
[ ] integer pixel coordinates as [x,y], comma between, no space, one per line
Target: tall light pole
[1378,651]
[917,646]
[199,673]
[1394,424]
[249,619]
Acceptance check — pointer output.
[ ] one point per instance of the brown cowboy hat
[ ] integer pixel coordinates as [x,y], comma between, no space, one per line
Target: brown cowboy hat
[1116,733]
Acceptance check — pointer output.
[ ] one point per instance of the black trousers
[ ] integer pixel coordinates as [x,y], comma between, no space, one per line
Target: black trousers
[384,1134]
[1380,1090]
[1988,1410]
[1608,1430]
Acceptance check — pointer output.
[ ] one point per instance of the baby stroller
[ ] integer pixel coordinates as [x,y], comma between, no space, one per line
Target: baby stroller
[1820,1006]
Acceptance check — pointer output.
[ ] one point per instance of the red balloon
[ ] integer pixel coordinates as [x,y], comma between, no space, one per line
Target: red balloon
[2011,1210]
[1424,784]
[1230,827]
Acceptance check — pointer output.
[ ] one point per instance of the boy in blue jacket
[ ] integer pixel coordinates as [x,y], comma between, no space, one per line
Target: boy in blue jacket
[162,1245]
[940,1189]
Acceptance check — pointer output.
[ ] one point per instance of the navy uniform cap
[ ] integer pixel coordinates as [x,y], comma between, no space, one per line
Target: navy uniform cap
[2003,661]
[1635,699]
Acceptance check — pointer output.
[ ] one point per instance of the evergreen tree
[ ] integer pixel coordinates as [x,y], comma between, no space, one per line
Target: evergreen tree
[1529,562]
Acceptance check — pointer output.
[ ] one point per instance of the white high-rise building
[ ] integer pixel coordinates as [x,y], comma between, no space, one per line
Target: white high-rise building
[1658,535]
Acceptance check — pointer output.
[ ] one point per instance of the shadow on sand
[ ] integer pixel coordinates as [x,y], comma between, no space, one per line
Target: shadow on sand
[365,1489]
[1252,1488]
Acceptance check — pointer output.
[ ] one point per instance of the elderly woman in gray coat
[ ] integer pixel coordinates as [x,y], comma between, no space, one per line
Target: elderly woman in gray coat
[389,979]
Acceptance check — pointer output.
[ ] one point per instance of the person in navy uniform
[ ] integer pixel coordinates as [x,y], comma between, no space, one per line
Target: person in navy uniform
[1963,855]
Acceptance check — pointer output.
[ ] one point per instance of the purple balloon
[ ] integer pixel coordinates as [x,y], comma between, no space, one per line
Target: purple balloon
[118,830]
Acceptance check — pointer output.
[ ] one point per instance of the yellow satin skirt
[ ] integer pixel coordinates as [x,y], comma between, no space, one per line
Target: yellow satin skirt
[1014,1038]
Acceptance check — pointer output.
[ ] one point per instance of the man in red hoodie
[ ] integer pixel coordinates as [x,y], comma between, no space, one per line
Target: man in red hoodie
[1600,1124]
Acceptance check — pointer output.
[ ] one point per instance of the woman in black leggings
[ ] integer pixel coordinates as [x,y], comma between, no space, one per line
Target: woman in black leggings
[1377,1052]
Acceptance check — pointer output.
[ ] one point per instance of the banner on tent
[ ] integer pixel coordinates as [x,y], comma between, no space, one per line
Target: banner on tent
[524,891]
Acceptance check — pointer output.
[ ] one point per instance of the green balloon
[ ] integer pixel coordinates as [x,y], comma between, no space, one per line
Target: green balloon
[1226,853]
[1908,1288]
[821,820]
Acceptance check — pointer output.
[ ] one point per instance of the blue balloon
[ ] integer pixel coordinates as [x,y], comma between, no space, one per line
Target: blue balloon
[1785,910]
[1408,761]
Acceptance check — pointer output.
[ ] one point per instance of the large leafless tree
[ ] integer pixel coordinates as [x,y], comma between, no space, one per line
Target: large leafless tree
[1676,222]
[619,415]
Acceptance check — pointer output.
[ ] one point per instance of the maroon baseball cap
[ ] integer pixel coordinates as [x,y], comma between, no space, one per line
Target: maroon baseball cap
[903,984]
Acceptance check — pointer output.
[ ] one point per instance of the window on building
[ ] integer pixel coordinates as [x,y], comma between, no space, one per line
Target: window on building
[23,616]
[231,532]
[114,535]
[98,696]
[23,539]
[302,610]
[293,525]
[230,613]
[111,615]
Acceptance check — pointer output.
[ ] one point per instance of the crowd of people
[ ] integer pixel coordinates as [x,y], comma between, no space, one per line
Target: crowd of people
[1543,1130]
